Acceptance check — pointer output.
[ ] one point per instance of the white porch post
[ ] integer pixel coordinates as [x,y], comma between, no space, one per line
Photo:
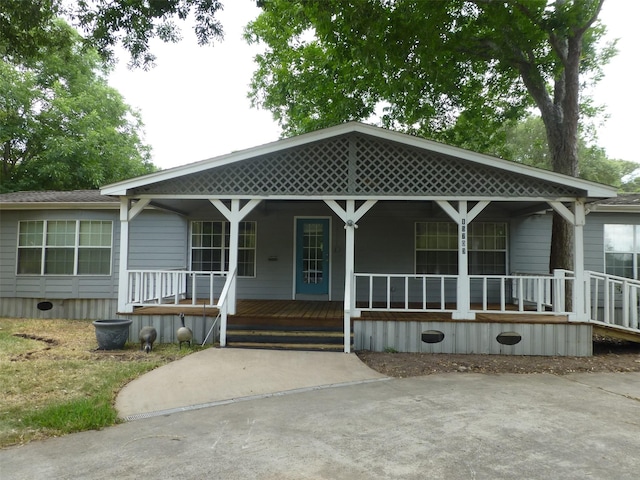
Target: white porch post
[463,217]
[578,220]
[126,215]
[123,269]
[349,265]
[579,293]
[463,307]
[349,215]
[234,232]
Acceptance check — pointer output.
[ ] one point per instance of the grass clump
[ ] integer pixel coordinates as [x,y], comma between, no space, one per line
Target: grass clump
[56,382]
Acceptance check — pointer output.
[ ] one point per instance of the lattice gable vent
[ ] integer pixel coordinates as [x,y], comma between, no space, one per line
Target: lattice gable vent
[357,165]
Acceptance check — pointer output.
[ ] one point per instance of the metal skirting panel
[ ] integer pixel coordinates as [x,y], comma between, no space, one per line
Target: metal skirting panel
[567,339]
[167,327]
[72,308]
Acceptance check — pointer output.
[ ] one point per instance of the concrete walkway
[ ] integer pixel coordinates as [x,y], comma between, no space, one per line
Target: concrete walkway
[222,375]
[452,426]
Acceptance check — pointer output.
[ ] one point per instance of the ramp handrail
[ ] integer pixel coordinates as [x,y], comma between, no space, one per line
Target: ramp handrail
[612,300]
[223,306]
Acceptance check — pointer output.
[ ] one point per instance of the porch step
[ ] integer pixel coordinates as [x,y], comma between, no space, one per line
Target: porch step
[285,338]
[289,346]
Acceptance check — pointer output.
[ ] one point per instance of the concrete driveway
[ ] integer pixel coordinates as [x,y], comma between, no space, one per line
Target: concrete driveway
[453,426]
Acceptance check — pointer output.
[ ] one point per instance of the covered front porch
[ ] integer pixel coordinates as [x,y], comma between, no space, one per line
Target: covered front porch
[523,311]
[378,221]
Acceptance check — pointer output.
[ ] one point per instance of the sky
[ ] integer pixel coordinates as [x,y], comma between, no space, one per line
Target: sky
[194,103]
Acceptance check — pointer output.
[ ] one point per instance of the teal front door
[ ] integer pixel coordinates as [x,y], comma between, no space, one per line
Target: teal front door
[312,256]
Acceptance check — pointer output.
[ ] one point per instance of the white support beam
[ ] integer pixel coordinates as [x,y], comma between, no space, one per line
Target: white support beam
[449,210]
[455,214]
[137,207]
[579,294]
[463,216]
[463,308]
[123,274]
[476,210]
[350,213]
[564,212]
[350,216]
[577,218]
[235,214]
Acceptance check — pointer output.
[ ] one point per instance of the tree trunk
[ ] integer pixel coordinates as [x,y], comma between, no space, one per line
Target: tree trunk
[561,117]
[563,147]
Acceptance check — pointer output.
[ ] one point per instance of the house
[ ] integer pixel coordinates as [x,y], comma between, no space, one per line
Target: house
[410,244]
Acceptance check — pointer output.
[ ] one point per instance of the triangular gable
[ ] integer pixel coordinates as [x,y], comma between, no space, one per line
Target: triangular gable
[356,160]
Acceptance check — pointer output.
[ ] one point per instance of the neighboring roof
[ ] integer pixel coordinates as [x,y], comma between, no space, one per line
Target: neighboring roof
[57,200]
[624,202]
[586,188]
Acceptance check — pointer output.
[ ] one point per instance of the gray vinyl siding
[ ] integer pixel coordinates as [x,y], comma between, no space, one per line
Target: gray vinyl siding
[594,236]
[385,238]
[158,241]
[54,286]
[530,244]
[531,240]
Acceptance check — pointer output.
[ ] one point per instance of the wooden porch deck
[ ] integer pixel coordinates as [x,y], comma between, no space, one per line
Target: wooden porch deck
[321,313]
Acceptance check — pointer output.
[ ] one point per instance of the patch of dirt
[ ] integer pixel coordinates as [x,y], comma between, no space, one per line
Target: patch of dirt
[610,355]
[50,341]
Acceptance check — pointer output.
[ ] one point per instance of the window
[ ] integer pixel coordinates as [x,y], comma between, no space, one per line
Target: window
[64,247]
[210,247]
[621,250]
[437,248]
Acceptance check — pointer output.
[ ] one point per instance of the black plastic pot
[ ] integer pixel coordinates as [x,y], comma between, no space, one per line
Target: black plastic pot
[112,334]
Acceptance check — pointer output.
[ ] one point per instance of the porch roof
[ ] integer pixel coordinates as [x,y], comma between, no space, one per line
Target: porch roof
[355,160]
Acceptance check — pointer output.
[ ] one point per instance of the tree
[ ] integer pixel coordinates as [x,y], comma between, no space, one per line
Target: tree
[61,126]
[27,25]
[435,67]
[525,142]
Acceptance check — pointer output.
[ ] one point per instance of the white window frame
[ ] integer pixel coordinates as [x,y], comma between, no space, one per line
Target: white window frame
[634,251]
[224,248]
[42,246]
[471,242]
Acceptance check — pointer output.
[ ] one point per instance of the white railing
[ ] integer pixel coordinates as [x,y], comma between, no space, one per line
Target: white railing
[171,287]
[612,300]
[403,292]
[529,293]
[533,293]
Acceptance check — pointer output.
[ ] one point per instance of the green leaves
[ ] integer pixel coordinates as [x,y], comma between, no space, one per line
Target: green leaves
[426,62]
[25,25]
[61,126]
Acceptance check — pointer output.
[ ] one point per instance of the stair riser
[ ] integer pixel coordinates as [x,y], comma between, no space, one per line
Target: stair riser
[287,346]
[285,339]
[288,328]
